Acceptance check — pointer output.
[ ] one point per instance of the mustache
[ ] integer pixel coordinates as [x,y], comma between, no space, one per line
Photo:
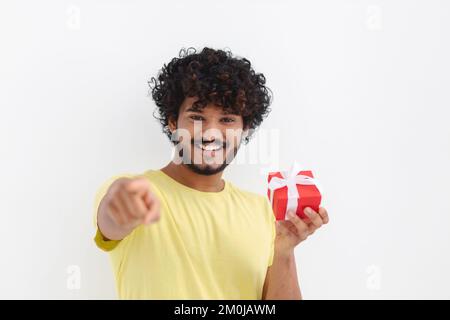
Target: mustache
[213,142]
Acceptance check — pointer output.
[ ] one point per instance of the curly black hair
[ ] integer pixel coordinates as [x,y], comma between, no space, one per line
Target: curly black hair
[214,76]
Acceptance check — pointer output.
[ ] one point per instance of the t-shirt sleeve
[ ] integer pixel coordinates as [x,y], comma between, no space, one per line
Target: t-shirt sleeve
[272,227]
[102,242]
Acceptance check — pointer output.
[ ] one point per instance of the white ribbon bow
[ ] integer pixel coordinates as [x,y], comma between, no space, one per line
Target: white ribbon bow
[290,179]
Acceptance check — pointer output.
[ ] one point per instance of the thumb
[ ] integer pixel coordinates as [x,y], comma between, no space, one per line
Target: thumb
[148,198]
[152,203]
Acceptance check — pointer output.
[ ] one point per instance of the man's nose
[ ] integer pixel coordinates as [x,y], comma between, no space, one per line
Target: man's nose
[212,132]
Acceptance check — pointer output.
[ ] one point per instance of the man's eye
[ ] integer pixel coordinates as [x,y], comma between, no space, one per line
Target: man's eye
[228,120]
[196,118]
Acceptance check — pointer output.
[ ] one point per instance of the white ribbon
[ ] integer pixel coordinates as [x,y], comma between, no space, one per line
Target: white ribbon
[291,179]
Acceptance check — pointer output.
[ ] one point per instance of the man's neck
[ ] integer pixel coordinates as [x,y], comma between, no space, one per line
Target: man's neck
[189,178]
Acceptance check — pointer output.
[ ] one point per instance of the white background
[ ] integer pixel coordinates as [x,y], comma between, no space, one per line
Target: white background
[361,96]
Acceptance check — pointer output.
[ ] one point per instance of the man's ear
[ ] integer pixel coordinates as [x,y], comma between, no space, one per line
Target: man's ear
[172,124]
[245,131]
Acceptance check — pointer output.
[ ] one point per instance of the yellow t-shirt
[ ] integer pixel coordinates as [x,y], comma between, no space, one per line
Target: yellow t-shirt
[206,245]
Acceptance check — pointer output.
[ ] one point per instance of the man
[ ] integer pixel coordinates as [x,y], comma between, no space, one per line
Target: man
[182,232]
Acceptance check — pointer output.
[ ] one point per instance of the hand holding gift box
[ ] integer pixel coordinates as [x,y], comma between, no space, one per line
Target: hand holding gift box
[293,190]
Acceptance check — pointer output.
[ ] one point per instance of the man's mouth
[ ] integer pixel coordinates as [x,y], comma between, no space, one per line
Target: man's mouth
[210,148]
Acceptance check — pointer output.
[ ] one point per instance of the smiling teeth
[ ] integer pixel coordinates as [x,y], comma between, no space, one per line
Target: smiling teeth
[209,147]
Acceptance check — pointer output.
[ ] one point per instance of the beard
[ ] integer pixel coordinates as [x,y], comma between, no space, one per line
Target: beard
[206,170]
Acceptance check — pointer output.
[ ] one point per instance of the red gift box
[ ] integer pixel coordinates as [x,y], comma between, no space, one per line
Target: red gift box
[295,189]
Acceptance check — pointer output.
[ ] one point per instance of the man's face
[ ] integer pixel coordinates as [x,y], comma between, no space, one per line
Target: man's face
[208,138]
